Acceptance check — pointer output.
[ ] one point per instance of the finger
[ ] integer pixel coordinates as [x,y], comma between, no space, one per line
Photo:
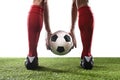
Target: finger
[48,47]
[75,46]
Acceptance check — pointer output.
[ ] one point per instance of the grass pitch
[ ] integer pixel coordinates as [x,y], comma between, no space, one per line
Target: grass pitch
[60,69]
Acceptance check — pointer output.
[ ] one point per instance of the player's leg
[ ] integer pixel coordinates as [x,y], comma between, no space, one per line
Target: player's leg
[35,21]
[86,28]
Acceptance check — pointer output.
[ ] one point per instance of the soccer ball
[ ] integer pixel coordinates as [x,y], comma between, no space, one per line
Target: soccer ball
[61,43]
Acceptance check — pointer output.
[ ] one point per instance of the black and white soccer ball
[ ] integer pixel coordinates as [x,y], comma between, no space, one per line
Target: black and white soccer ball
[61,43]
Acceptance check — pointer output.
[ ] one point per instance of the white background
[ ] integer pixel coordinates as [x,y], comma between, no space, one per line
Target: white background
[13,27]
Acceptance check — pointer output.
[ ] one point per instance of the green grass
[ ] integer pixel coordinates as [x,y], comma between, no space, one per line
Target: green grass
[60,69]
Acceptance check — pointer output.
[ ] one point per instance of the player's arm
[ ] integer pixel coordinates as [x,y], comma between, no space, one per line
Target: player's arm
[46,21]
[46,17]
[73,20]
[73,15]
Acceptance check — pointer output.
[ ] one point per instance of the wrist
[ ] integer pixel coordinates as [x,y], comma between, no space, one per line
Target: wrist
[49,32]
[71,30]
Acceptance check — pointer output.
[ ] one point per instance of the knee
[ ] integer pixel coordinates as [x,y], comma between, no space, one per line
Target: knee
[38,2]
[81,3]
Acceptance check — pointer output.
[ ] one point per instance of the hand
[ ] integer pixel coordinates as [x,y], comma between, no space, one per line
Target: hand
[73,38]
[48,41]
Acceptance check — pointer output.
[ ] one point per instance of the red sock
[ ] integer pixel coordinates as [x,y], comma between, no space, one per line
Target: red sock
[86,28]
[35,21]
